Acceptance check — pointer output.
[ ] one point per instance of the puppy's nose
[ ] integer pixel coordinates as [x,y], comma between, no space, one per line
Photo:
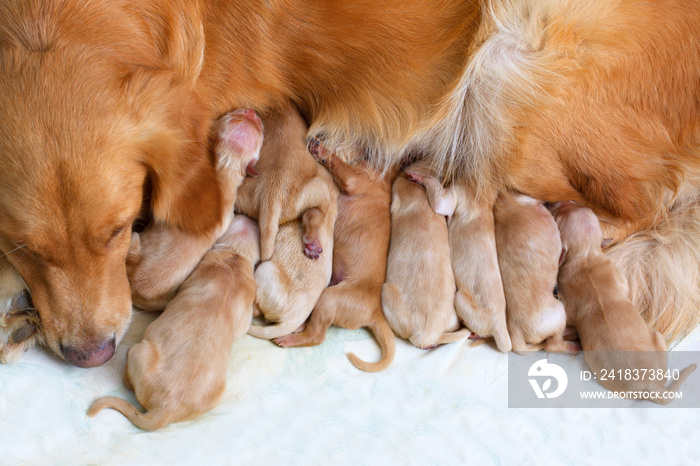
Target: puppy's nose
[91,355]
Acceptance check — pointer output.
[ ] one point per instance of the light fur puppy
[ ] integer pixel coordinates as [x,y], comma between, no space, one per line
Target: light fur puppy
[596,296]
[360,248]
[418,295]
[290,283]
[528,244]
[178,371]
[290,183]
[162,257]
[480,302]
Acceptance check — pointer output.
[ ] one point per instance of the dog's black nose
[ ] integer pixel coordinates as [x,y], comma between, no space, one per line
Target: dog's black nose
[92,355]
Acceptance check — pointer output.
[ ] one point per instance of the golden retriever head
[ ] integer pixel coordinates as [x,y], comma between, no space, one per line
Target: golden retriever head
[92,106]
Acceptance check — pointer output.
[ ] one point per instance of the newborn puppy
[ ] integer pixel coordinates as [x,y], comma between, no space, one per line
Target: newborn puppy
[527,240]
[160,257]
[290,183]
[418,295]
[479,302]
[178,371]
[20,327]
[289,284]
[360,248]
[613,334]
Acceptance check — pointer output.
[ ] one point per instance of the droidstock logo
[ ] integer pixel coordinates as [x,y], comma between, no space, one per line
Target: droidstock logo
[542,370]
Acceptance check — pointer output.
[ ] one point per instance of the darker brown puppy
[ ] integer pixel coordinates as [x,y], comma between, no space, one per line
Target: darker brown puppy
[613,334]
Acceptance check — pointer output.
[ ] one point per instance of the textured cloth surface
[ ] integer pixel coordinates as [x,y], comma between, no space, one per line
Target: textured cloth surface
[311,406]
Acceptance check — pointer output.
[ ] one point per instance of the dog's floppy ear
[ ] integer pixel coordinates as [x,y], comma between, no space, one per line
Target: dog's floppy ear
[185,190]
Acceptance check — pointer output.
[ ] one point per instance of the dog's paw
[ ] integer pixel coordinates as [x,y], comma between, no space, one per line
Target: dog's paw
[312,248]
[20,327]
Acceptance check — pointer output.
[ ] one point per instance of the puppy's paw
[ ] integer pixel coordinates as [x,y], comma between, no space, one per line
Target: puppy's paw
[286,341]
[312,248]
[474,336]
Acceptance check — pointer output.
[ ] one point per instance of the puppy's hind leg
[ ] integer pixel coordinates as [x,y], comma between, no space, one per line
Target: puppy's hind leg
[451,337]
[342,172]
[315,331]
[311,222]
[557,344]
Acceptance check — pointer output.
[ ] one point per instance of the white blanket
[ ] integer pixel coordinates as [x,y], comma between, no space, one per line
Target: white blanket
[311,406]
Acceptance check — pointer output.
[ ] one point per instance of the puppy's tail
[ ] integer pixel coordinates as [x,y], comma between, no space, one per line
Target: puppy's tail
[681,378]
[387,342]
[145,421]
[674,386]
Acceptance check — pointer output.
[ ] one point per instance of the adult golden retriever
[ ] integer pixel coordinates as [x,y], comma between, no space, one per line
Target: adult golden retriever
[595,101]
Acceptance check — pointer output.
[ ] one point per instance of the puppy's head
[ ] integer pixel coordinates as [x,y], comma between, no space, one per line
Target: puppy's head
[579,228]
[91,107]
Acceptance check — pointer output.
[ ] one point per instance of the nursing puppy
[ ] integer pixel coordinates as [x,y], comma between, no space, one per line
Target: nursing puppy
[527,240]
[612,333]
[360,249]
[290,283]
[161,257]
[290,183]
[418,295]
[479,302]
[178,371]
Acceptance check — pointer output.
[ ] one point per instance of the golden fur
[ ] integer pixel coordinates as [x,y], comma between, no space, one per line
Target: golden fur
[289,284]
[612,333]
[161,257]
[418,295]
[20,327]
[178,371]
[295,201]
[528,247]
[360,248]
[479,302]
[591,101]
[290,183]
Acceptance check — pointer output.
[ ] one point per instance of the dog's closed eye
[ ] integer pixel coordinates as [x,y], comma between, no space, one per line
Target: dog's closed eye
[116,232]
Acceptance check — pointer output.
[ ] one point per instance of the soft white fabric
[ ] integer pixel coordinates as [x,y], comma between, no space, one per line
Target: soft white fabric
[311,406]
